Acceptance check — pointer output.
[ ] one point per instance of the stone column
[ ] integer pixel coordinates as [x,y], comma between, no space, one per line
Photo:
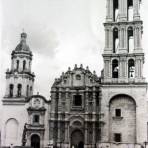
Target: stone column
[67,102]
[86,101]
[12,64]
[15,88]
[106,68]
[94,99]
[136,9]
[120,2]
[123,68]
[111,40]
[135,37]
[86,134]
[139,37]
[138,67]
[94,134]
[53,98]
[125,9]
[108,39]
[111,9]
[60,101]
[120,37]
[59,132]
[29,65]
[107,10]
[66,133]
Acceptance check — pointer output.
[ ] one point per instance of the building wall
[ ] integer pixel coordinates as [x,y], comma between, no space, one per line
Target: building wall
[127,120]
[138,93]
[12,113]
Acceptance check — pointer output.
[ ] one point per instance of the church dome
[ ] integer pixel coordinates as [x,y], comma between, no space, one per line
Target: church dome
[22,46]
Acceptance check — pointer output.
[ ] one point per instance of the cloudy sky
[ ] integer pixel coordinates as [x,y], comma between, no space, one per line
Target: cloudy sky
[60,34]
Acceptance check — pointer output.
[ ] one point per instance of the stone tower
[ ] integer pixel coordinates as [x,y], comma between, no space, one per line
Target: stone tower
[19,78]
[123,104]
[19,87]
[123,53]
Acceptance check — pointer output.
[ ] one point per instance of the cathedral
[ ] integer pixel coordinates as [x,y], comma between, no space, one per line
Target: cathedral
[85,110]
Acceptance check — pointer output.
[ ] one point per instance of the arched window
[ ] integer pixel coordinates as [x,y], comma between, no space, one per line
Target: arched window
[115,40]
[130,9]
[130,40]
[115,9]
[131,68]
[115,68]
[30,90]
[27,91]
[19,90]
[24,65]
[11,86]
[17,64]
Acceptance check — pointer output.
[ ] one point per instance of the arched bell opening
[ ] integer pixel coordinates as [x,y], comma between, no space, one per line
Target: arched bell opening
[130,40]
[115,69]
[131,68]
[115,40]
[115,10]
[130,10]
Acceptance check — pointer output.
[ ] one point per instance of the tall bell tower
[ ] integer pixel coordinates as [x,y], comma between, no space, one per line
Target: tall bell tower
[123,54]
[124,89]
[19,79]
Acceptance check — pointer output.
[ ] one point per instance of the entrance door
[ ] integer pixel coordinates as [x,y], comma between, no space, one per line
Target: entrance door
[77,139]
[35,141]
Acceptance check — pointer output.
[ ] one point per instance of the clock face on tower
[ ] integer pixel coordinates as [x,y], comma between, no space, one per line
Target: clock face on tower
[36,103]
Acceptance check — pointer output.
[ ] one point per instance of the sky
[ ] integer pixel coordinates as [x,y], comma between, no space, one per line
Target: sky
[61,33]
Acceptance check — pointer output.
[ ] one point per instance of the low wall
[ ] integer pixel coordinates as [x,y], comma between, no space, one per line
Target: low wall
[120,145]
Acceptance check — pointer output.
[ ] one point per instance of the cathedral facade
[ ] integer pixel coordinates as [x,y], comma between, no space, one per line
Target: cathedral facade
[84,111]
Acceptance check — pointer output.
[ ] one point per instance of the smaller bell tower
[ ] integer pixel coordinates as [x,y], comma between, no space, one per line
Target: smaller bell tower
[19,78]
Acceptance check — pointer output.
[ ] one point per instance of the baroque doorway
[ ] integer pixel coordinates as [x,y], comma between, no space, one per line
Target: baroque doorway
[77,139]
[35,141]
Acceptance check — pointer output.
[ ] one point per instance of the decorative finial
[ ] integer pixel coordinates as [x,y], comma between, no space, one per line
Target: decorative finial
[75,66]
[81,65]
[87,68]
[23,35]
[37,93]
[69,69]
[94,72]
